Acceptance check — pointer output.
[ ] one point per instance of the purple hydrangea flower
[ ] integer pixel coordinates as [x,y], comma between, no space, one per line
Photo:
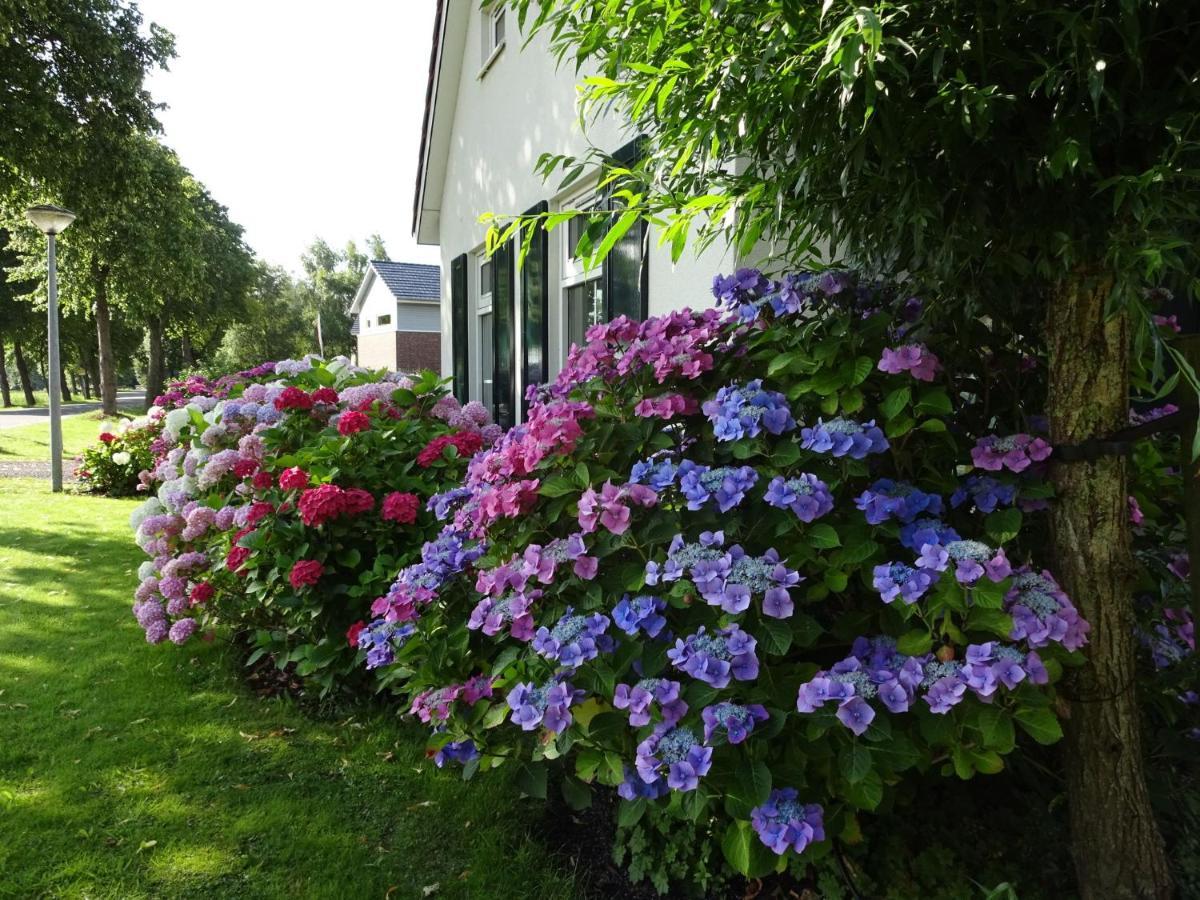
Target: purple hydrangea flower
[896,579]
[729,581]
[682,556]
[675,749]
[641,613]
[1016,452]
[639,698]
[745,411]
[182,630]
[724,485]
[984,492]
[574,639]
[1042,612]
[737,720]
[843,437]
[805,495]
[715,658]
[887,499]
[783,823]
[972,560]
[547,705]
[658,474]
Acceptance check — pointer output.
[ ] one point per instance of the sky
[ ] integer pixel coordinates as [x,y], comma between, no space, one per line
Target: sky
[302,117]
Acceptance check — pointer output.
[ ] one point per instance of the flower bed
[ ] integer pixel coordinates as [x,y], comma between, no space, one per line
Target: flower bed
[113,465]
[286,498]
[748,566]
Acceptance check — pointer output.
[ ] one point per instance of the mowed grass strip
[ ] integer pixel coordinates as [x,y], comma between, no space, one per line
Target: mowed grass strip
[80,430]
[129,771]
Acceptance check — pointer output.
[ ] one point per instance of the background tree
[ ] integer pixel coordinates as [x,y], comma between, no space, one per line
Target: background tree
[275,325]
[1024,158]
[331,279]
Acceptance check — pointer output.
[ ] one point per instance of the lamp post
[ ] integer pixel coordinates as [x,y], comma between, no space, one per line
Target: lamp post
[52,220]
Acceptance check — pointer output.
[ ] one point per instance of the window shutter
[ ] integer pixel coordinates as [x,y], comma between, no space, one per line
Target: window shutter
[626,270]
[535,307]
[459,354]
[503,343]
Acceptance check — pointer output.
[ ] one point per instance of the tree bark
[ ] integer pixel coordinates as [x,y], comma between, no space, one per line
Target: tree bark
[155,373]
[23,372]
[186,353]
[5,390]
[1117,848]
[65,384]
[108,368]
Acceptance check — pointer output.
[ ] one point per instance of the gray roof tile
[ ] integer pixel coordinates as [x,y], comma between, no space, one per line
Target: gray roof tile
[410,281]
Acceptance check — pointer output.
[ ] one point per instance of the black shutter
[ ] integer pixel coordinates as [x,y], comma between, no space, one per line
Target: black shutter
[627,270]
[459,354]
[504,348]
[535,307]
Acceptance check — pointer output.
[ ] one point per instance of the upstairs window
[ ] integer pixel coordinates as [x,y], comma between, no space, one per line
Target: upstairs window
[494,26]
[385,320]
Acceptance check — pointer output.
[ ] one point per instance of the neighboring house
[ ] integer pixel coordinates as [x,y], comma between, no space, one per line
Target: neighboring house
[492,107]
[396,319]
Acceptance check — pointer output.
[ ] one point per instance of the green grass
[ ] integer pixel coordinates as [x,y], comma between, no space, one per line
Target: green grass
[33,441]
[129,771]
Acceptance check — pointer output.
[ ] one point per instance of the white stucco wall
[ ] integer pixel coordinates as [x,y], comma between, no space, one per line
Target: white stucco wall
[503,120]
[406,316]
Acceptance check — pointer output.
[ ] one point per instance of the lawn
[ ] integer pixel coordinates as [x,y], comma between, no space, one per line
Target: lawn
[33,441]
[129,771]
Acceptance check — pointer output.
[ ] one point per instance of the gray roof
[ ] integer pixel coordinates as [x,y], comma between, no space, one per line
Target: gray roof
[410,281]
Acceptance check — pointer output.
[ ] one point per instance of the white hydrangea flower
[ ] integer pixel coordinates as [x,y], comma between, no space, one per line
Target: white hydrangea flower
[121,458]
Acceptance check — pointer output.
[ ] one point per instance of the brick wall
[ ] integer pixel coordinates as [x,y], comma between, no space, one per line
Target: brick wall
[416,350]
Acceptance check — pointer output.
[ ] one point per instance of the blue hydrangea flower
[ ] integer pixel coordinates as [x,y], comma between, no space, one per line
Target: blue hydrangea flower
[888,499]
[461,752]
[745,411]
[715,658]
[444,504]
[381,639]
[919,532]
[984,492]
[736,720]
[805,495]
[783,823]
[634,788]
[658,474]
[546,705]
[674,748]
[896,579]
[724,485]
[641,613]
[574,639]
[844,437]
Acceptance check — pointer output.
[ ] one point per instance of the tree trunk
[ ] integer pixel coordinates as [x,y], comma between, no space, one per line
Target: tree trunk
[23,372]
[155,373]
[5,390]
[65,384]
[186,353]
[108,367]
[1116,846]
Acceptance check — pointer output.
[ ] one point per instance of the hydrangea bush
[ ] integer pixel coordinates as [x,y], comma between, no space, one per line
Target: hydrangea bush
[749,566]
[113,464]
[285,499]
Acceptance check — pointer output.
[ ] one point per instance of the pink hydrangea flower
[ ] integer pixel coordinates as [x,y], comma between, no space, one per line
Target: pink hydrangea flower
[916,359]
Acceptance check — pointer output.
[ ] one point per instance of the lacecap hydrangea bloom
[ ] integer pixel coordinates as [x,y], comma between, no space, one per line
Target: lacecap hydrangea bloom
[783,823]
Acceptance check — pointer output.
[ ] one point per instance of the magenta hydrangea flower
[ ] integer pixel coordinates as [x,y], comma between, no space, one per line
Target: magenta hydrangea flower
[1016,452]
[611,507]
[675,749]
[783,823]
[916,359]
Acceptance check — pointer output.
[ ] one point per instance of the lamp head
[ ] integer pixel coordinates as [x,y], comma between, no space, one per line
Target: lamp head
[50,219]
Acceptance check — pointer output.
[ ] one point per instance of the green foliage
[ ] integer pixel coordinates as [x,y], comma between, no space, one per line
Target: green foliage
[111,466]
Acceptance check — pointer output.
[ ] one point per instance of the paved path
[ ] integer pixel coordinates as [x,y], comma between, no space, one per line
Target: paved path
[20,415]
[35,468]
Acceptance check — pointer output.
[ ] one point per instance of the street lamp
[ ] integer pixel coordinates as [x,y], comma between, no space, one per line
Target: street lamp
[53,220]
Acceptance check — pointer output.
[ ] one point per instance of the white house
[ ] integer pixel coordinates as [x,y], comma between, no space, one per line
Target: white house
[396,317]
[492,108]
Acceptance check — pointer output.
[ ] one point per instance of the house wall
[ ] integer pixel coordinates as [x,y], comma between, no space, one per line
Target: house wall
[400,351]
[504,119]
[379,302]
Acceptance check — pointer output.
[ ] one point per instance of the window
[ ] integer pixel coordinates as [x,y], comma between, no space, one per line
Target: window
[584,308]
[494,26]
[582,290]
[486,349]
[385,320]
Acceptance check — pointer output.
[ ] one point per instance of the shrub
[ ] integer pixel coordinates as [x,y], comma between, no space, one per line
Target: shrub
[749,566]
[113,464]
[284,508]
